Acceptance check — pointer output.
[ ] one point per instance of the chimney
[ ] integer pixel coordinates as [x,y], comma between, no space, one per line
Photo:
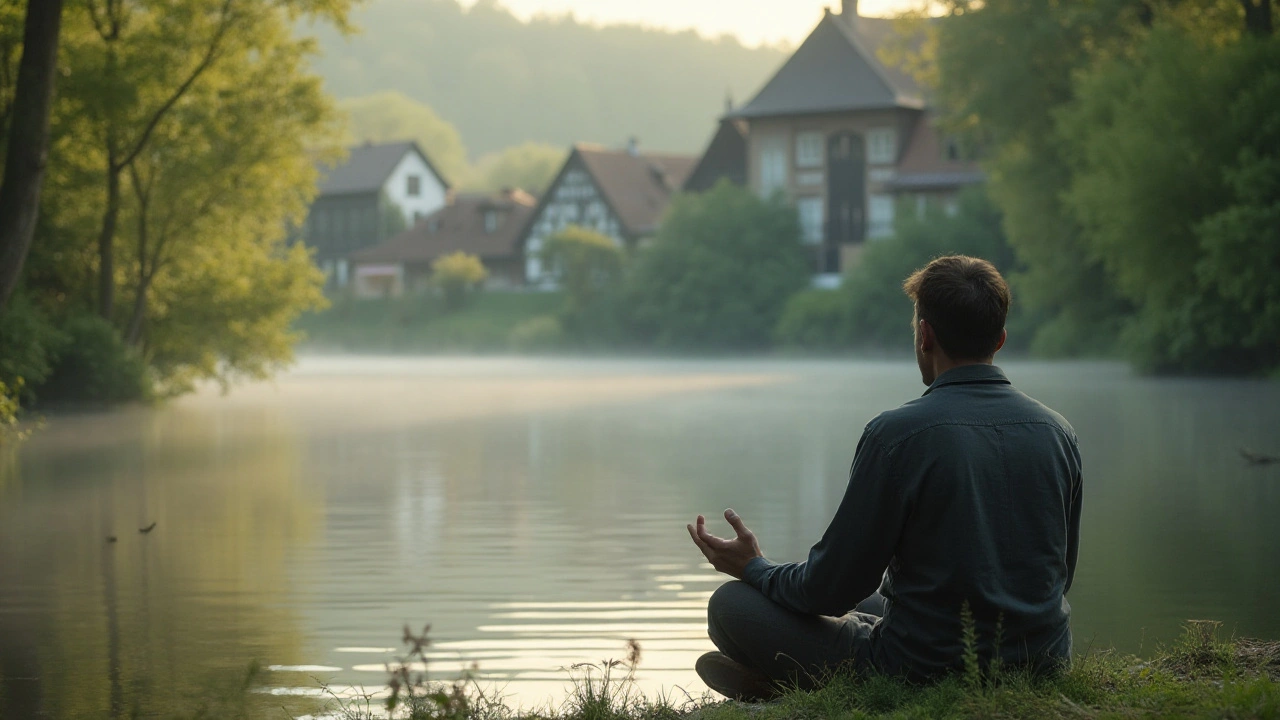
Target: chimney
[633,146]
[849,10]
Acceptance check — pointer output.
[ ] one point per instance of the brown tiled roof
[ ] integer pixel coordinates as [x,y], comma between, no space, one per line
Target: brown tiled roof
[925,163]
[458,226]
[836,70]
[638,186]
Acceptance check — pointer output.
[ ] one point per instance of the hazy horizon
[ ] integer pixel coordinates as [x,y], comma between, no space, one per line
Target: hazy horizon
[753,22]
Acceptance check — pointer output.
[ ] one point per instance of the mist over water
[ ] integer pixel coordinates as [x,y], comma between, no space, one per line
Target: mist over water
[533,512]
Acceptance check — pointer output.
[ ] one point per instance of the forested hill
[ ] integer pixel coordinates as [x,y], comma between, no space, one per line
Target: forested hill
[502,81]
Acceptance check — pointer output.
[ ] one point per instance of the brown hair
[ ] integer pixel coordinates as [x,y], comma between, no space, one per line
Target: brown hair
[965,300]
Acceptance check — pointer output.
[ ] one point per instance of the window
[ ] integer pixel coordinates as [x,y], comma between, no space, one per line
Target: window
[882,146]
[773,164]
[413,186]
[492,218]
[811,219]
[880,217]
[809,147]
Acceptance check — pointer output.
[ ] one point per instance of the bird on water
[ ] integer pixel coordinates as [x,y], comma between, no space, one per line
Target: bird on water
[147,529]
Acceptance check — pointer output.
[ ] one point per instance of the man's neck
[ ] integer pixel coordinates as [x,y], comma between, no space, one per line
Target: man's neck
[942,363]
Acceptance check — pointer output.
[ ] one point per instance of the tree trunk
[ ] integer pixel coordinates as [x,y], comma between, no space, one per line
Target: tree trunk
[133,334]
[28,151]
[106,243]
[1257,17]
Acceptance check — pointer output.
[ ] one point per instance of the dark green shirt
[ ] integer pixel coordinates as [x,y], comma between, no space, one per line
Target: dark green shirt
[967,495]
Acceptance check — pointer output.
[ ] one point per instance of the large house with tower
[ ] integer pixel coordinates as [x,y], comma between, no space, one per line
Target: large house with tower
[845,137]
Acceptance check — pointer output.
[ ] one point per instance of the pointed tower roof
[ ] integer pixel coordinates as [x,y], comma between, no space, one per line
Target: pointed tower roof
[835,70]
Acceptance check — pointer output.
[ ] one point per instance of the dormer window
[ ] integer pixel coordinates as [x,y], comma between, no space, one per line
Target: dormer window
[492,219]
[413,186]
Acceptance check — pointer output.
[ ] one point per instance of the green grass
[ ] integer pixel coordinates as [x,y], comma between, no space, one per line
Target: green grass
[1199,676]
[422,325]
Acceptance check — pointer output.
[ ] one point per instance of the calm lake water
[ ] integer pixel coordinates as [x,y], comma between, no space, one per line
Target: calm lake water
[533,512]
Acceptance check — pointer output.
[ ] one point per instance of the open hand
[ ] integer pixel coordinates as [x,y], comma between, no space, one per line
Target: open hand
[728,556]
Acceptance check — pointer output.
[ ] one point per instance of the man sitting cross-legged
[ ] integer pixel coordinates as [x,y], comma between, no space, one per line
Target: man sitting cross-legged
[965,498]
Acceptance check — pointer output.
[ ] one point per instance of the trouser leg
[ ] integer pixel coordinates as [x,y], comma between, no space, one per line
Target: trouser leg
[787,646]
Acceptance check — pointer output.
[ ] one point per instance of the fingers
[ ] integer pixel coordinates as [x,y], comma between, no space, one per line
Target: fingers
[709,539]
[706,551]
[738,526]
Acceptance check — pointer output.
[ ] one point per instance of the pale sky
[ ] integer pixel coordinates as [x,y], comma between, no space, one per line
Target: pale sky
[753,21]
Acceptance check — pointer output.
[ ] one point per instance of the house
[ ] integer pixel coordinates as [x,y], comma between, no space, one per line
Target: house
[488,226]
[619,193]
[843,136]
[378,191]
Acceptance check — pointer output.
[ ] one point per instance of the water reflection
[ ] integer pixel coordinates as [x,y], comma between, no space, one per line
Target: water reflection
[534,511]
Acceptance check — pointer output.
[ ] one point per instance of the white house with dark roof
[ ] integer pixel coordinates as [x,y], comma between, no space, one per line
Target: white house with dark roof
[619,193]
[844,136]
[379,190]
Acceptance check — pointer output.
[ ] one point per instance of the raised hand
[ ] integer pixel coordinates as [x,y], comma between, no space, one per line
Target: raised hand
[729,556]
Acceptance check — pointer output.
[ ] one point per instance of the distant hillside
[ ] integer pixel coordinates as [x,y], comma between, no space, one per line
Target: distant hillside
[503,82]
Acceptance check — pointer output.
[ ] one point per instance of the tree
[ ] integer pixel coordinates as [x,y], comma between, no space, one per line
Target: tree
[530,166]
[719,271]
[586,265]
[225,172]
[1004,70]
[456,275]
[137,60]
[390,116]
[27,118]
[1174,152]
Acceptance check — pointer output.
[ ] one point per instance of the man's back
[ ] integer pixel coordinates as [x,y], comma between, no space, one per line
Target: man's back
[990,483]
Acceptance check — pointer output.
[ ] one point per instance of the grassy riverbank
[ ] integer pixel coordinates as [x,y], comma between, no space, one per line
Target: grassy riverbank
[1199,676]
[421,324]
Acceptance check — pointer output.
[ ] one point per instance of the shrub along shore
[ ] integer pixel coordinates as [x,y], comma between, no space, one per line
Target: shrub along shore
[1198,676]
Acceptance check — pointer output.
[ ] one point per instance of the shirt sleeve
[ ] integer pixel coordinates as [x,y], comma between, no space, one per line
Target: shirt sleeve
[846,566]
[1073,519]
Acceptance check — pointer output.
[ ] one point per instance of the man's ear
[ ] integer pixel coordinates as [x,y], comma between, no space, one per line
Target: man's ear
[926,338]
[1004,335]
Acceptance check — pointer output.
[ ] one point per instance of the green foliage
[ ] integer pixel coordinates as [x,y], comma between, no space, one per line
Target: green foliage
[95,366]
[530,166]
[586,265]
[870,310]
[1003,72]
[815,320]
[29,344]
[212,126]
[719,271]
[9,409]
[544,332]
[457,275]
[556,77]
[391,115]
[1176,166]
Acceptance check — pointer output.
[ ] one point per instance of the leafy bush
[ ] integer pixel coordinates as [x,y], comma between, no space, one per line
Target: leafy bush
[95,366]
[718,272]
[9,408]
[457,275]
[586,264]
[540,333]
[816,319]
[29,342]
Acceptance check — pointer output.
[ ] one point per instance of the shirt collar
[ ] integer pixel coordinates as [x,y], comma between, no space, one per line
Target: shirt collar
[968,375]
